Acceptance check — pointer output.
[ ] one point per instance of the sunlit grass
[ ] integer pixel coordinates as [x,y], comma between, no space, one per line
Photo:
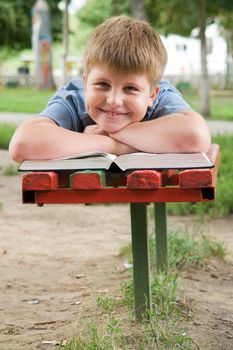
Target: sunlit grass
[221,106]
[24,100]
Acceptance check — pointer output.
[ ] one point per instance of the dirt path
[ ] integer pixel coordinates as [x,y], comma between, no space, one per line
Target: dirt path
[44,250]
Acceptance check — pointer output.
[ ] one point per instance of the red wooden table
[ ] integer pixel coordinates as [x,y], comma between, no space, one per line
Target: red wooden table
[139,188]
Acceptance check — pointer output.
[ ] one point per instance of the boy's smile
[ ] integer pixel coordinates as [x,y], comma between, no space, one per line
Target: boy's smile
[115,100]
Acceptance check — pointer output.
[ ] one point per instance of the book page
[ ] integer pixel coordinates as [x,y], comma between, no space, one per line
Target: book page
[89,155]
[141,160]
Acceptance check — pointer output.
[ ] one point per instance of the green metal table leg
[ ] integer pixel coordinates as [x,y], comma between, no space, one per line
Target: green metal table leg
[141,267]
[161,235]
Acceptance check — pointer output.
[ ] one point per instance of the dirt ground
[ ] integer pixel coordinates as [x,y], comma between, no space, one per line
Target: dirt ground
[54,259]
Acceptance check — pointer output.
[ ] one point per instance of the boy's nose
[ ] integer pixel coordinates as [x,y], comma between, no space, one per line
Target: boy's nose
[114,99]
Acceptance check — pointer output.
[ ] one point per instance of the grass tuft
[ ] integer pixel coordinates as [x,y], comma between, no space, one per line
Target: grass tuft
[6,133]
[10,170]
[164,329]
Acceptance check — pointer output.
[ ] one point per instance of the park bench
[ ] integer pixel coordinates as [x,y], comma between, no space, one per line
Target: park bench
[138,188]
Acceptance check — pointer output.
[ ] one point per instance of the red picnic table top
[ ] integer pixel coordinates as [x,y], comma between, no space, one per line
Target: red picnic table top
[192,185]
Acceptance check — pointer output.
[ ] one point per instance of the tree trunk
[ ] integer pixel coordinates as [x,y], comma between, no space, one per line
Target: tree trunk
[229,60]
[65,41]
[42,45]
[138,10]
[204,81]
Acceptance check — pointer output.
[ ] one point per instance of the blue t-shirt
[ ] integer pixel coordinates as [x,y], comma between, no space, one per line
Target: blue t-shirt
[67,106]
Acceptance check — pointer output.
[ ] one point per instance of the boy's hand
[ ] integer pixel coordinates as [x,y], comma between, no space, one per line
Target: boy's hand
[95,129]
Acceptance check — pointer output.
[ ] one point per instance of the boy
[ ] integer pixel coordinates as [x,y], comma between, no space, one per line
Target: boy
[126,107]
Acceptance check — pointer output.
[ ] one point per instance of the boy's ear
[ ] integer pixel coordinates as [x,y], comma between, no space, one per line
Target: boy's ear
[153,95]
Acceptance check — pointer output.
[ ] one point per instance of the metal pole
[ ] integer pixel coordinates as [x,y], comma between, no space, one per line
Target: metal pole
[161,235]
[141,267]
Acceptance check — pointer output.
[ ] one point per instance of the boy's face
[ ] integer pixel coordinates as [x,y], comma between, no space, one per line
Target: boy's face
[115,100]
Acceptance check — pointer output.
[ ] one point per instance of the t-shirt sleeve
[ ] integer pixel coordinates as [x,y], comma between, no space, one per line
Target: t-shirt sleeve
[169,101]
[66,108]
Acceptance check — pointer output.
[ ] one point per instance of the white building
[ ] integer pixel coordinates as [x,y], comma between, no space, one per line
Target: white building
[184,58]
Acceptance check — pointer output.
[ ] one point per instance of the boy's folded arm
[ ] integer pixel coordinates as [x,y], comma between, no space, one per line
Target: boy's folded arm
[42,138]
[185,131]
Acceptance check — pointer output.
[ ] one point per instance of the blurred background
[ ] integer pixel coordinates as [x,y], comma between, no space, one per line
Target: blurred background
[42,42]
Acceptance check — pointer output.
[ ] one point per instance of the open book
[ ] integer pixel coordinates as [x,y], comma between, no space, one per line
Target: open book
[132,161]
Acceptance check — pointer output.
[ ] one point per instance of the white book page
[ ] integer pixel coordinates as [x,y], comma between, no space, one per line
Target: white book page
[90,154]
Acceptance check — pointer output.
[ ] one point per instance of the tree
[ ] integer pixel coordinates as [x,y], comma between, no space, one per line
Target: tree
[65,40]
[180,17]
[16,23]
[95,13]
[225,22]
[204,96]
[138,9]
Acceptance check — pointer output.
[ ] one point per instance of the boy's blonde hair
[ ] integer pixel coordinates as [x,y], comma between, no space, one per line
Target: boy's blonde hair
[127,45]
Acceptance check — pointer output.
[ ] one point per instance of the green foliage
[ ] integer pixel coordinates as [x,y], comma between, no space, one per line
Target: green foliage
[95,13]
[172,16]
[16,22]
[6,133]
[223,205]
[181,16]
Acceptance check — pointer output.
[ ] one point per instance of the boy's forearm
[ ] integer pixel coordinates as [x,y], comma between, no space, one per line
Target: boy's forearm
[46,140]
[181,132]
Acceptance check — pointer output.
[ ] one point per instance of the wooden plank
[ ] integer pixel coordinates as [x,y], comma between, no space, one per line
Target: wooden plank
[214,155]
[197,178]
[144,179]
[122,195]
[87,180]
[40,181]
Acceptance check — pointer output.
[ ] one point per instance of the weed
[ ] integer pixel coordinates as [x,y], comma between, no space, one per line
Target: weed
[10,170]
[105,304]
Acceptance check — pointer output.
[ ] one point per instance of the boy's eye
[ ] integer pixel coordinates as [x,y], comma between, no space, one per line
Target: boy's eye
[102,85]
[131,88]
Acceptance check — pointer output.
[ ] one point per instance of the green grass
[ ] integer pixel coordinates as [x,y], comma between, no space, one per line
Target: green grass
[185,249]
[10,170]
[23,100]
[6,133]
[221,106]
[113,325]
[223,205]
